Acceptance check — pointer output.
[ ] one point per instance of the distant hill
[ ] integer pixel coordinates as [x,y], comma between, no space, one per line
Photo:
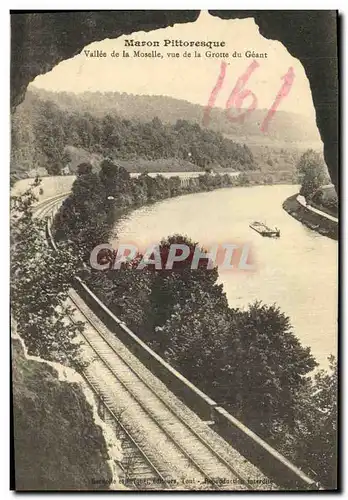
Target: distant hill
[52,132]
[285,126]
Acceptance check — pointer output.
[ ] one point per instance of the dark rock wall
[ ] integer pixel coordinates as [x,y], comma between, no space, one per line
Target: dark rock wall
[57,444]
[41,40]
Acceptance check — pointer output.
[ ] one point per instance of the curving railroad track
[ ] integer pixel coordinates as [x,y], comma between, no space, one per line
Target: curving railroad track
[46,207]
[171,447]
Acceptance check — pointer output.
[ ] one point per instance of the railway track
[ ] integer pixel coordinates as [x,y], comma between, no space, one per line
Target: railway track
[45,208]
[136,464]
[170,449]
[182,456]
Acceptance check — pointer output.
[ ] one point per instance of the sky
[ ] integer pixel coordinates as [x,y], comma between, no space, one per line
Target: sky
[192,78]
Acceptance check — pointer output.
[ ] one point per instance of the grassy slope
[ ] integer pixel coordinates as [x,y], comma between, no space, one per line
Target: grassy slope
[57,444]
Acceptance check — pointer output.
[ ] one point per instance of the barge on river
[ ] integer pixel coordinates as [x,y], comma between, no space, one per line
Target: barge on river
[264,230]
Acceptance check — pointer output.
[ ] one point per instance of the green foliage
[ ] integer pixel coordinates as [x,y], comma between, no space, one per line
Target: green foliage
[312,173]
[84,217]
[256,361]
[243,179]
[40,279]
[312,442]
[174,289]
[47,130]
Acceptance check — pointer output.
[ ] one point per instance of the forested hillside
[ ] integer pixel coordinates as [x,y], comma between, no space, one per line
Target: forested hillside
[147,130]
[41,130]
[285,126]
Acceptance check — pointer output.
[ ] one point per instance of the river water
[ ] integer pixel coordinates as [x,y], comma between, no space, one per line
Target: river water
[298,271]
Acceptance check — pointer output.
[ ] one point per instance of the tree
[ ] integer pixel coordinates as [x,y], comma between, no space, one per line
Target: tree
[40,280]
[84,168]
[178,287]
[315,434]
[84,217]
[49,136]
[243,179]
[266,365]
[156,122]
[116,182]
[312,173]
[194,335]
[252,362]
[41,130]
[125,291]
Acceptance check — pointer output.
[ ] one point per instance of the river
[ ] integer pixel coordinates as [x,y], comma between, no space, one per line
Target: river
[298,271]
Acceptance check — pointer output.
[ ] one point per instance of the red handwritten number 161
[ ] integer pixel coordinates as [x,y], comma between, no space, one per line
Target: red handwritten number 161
[240,93]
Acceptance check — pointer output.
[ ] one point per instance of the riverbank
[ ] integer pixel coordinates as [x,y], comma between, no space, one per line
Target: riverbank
[311,219]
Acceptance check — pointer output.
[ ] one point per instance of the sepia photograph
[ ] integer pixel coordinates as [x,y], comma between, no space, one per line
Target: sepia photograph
[174,242]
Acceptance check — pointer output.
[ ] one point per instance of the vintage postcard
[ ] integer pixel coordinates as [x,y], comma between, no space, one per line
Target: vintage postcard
[174,250]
